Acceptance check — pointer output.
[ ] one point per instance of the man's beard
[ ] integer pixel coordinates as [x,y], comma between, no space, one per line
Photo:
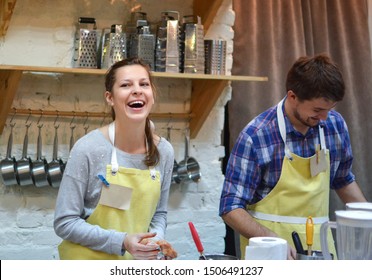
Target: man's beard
[303,121]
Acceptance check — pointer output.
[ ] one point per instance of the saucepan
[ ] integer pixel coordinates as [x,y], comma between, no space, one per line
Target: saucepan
[40,165]
[24,165]
[188,169]
[8,164]
[56,166]
[175,177]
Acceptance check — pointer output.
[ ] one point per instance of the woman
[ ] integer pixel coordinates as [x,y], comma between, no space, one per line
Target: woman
[112,201]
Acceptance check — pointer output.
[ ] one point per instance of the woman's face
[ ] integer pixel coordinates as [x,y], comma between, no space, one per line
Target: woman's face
[132,96]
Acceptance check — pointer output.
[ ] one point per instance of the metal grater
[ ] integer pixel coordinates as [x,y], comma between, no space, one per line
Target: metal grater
[85,55]
[167,51]
[192,45]
[142,44]
[114,46]
[215,57]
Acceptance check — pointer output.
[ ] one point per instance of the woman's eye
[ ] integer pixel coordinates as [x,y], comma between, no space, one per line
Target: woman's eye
[145,84]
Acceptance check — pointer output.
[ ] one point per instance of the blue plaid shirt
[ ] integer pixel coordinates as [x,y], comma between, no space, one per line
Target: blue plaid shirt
[256,160]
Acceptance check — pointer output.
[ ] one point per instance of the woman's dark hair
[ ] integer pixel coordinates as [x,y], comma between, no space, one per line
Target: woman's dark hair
[315,77]
[152,157]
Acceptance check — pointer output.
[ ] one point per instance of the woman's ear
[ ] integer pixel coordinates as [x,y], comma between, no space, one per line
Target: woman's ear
[108,97]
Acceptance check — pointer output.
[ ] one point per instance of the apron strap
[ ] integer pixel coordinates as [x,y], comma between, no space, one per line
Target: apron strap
[283,133]
[282,129]
[322,138]
[114,160]
[286,219]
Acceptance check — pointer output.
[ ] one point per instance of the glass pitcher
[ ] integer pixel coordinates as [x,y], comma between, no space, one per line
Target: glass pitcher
[353,235]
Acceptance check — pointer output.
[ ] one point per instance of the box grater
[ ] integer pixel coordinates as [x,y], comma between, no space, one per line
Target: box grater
[142,44]
[115,46]
[85,55]
[167,49]
[215,57]
[192,45]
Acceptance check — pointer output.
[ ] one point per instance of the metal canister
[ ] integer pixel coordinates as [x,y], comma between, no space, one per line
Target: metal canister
[167,50]
[215,57]
[115,46]
[192,45]
[85,55]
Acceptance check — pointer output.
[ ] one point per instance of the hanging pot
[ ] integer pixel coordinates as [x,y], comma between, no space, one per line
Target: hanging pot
[40,165]
[188,169]
[56,166]
[24,165]
[175,177]
[8,165]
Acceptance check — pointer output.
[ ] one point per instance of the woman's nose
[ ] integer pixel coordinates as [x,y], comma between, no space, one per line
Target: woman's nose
[137,89]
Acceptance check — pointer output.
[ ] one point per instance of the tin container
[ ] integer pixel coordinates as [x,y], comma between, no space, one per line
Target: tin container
[315,256]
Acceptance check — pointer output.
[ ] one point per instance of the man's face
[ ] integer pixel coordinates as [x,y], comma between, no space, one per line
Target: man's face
[310,112]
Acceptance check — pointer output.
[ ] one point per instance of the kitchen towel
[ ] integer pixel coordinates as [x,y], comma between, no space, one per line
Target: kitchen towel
[266,248]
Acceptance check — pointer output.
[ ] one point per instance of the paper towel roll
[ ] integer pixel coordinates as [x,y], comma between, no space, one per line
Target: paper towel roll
[266,248]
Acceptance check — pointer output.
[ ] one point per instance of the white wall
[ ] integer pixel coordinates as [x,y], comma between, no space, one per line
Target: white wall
[41,33]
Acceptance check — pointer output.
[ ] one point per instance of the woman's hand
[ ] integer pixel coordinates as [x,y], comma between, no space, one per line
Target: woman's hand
[132,244]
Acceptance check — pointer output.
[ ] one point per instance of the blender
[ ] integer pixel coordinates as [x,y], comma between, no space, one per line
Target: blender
[353,235]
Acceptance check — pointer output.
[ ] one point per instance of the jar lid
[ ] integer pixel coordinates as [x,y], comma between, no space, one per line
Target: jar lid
[367,206]
[354,218]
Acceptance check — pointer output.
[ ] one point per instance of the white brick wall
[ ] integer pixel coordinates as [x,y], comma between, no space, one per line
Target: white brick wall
[41,33]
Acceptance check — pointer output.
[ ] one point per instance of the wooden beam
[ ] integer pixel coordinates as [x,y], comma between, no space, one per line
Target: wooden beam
[205,94]
[6,11]
[207,10]
[9,80]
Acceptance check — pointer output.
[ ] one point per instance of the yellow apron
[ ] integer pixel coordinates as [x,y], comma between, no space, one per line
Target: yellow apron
[145,185]
[296,196]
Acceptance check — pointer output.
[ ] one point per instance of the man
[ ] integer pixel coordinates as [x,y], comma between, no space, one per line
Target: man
[286,159]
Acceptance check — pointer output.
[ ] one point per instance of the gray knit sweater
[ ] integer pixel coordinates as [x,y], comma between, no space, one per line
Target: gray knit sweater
[80,190]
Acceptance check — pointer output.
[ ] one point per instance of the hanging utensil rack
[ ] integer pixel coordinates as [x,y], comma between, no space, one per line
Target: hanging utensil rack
[28,112]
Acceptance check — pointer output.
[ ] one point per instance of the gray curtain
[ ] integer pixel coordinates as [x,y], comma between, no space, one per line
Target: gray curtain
[270,35]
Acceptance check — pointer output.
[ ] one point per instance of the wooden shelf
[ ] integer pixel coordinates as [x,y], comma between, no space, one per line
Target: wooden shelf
[205,88]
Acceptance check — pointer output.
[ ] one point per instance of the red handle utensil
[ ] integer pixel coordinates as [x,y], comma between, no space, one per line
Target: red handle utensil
[197,241]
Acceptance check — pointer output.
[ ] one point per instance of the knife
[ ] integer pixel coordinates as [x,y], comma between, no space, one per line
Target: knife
[297,242]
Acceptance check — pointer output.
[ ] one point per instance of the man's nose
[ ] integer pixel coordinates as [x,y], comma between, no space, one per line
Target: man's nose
[323,115]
